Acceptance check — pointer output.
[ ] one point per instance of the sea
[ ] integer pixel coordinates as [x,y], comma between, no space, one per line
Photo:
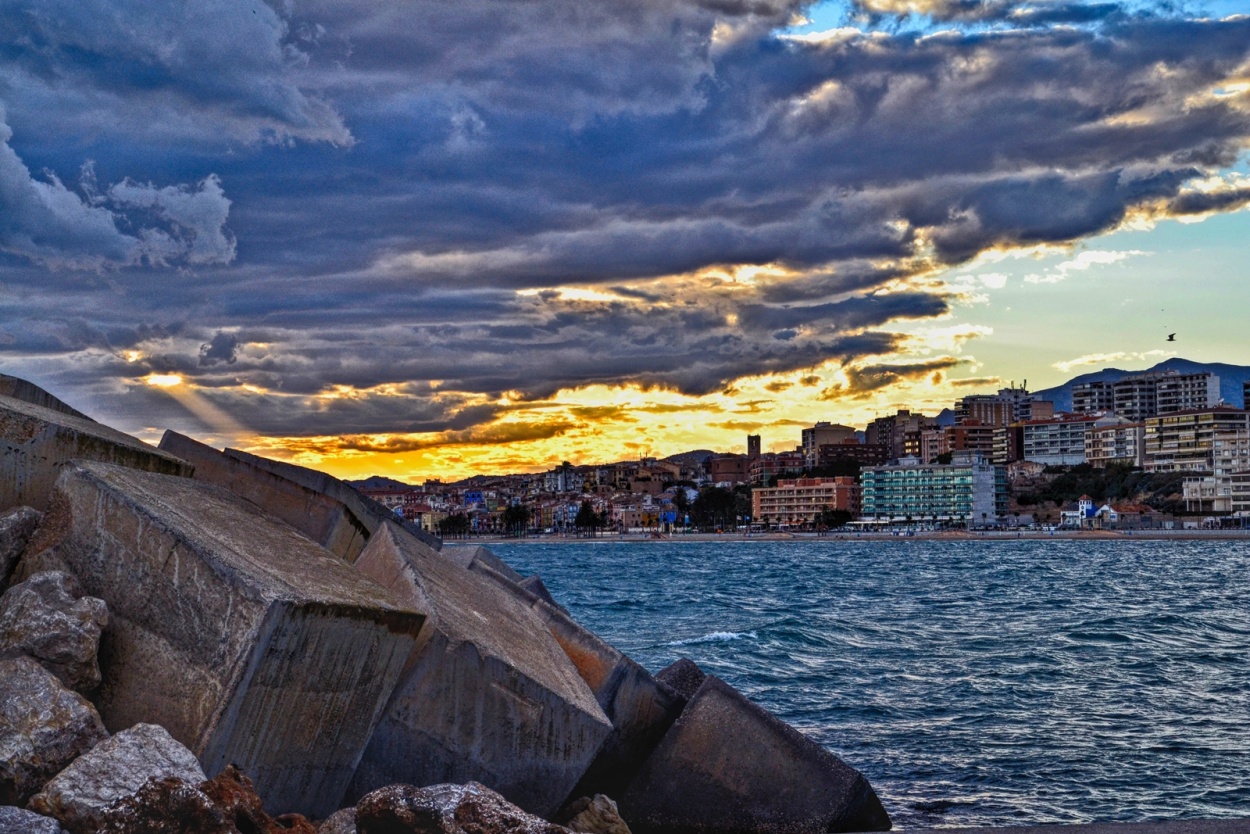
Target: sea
[973,682]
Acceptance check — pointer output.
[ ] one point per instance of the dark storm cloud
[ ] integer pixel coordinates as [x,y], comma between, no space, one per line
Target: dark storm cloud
[411,187]
[862,381]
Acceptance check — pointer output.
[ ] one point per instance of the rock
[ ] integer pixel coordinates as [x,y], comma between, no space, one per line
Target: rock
[47,618]
[640,708]
[727,765]
[35,442]
[340,822]
[489,695]
[684,676]
[16,527]
[323,519]
[17,821]
[165,806]
[110,771]
[235,795]
[249,643]
[596,816]
[445,809]
[43,727]
[20,389]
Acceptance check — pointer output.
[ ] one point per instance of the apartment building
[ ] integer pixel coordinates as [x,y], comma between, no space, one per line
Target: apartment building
[1009,405]
[775,465]
[1117,441]
[969,436]
[1186,441]
[1093,398]
[800,501]
[1059,441]
[823,434]
[899,432]
[1138,396]
[969,490]
[865,454]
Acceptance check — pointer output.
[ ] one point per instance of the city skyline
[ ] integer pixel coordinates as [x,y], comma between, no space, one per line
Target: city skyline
[436,240]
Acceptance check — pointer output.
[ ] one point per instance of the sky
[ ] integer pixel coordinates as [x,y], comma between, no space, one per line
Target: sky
[429,239]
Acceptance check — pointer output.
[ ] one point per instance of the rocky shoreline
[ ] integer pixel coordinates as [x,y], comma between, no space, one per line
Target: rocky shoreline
[199,640]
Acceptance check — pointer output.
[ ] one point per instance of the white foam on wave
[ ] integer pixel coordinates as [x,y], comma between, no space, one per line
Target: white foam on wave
[716,637]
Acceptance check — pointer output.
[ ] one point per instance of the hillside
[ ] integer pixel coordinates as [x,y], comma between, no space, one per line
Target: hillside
[1231,379]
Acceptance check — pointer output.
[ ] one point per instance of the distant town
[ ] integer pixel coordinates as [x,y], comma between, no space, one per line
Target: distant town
[1149,451]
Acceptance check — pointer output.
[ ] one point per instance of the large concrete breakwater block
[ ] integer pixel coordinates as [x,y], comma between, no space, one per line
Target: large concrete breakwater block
[249,643]
[488,695]
[322,518]
[35,442]
[20,389]
[640,707]
[370,513]
[729,767]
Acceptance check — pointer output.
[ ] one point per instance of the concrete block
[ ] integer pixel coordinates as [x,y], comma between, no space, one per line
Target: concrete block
[684,676]
[248,642]
[488,696]
[640,708]
[469,555]
[323,519]
[20,389]
[35,442]
[369,512]
[728,765]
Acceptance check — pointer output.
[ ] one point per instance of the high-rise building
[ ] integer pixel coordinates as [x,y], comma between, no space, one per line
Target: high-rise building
[1009,405]
[1139,396]
[900,432]
[1093,398]
[1059,441]
[969,489]
[822,434]
[1185,441]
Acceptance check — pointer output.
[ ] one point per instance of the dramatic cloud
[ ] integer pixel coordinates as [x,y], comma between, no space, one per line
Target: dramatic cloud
[440,211]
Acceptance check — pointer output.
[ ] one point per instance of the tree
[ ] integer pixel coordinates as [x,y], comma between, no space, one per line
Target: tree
[681,502]
[454,526]
[587,518]
[713,508]
[831,518]
[516,519]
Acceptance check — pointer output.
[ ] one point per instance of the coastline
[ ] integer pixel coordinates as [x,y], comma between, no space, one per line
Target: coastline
[921,535]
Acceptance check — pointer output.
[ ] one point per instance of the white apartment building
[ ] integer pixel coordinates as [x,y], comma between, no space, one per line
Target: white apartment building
[1186,441]
[1059,441]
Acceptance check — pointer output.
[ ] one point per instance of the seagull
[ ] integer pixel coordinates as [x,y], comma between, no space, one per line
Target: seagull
[1171,337]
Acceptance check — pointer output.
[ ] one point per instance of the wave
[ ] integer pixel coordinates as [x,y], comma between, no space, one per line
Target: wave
[715,637]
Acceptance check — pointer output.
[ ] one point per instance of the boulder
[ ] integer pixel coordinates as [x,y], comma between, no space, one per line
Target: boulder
[727,766]
[20,389]
[640,708]
[16,527]
[340,822]
[323,519]
[43,727]
[684,676]
[235,795]
[597,815]
[16,821]
[368,512]
[35,442]
[445,809]
[112,770]
[165,806]
[48,619]
[488,695]
[251,644]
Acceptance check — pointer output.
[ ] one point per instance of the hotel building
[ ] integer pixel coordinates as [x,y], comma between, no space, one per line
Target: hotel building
[968,489]
[801,501]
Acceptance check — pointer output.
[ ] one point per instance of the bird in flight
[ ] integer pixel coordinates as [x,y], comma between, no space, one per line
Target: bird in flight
[1171,337]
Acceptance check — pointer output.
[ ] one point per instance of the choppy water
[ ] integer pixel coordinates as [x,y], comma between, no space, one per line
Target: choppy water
[984,683]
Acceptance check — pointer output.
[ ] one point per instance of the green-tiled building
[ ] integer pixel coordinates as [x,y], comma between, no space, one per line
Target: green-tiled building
[969,489]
